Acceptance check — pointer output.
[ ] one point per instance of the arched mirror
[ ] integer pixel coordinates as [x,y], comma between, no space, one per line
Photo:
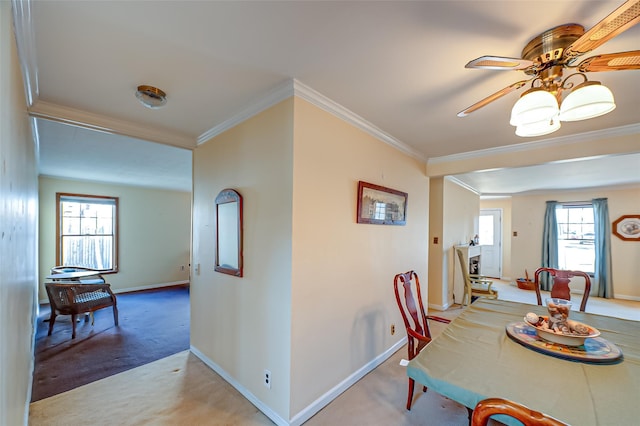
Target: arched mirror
[229,232]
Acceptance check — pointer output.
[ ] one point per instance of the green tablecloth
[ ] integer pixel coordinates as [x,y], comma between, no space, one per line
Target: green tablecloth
[474,359]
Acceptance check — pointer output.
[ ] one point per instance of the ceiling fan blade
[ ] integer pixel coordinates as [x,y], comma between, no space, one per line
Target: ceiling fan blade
[491,98]
[618,21]
[611,62]
[499,63]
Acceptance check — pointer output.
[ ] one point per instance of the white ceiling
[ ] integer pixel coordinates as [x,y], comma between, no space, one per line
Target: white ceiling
[398,66]
[77,153]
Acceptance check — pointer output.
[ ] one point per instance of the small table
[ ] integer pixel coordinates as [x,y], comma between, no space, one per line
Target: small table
[82,277]
[474,359]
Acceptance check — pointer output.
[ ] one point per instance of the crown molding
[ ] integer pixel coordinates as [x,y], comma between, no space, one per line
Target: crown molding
[277,94]
[294,87]
[26,45]
[631,129]
[462,184]
[312,96]
[100,123]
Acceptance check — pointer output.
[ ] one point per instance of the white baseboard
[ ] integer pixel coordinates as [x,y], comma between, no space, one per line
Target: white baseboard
[147,287]
[625,297]
[439,307]
[131,289]
[244,391]
[316,405]
[332,394]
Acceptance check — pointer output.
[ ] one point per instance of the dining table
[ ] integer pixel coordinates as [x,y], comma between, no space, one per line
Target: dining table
[476,358]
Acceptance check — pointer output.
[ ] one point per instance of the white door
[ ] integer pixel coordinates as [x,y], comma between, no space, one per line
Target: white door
[490,233]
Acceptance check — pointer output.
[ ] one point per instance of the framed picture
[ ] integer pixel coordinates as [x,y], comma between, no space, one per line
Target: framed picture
[627,227]
[381,206]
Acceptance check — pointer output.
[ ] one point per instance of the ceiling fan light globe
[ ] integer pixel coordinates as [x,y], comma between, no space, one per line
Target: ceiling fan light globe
[534,106]
[539,128]
[588,100]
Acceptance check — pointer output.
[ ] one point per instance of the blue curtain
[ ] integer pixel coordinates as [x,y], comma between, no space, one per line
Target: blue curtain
[549,244]
[602,282]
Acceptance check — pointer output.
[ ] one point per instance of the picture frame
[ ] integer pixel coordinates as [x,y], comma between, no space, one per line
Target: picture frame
[627,227]
[379,205]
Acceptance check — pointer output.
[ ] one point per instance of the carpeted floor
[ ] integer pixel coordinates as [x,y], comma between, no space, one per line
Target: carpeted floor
[154,324]
[182,390]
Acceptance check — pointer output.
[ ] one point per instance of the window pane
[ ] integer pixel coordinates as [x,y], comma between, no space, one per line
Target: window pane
[90,252]
[88,225]
[87,231]
[70,225]
[486,230]
[574,255]
[70,209]
[105,226]
[380,211]
[88,210]
[576,238]
[575,215]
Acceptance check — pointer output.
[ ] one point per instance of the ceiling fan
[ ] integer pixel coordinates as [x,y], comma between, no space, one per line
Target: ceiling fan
[548,55]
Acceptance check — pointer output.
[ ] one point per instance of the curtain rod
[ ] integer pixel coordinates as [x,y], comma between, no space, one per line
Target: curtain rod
[575,203]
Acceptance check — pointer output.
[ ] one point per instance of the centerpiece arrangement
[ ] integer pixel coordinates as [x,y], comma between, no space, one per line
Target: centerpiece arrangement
[557,327]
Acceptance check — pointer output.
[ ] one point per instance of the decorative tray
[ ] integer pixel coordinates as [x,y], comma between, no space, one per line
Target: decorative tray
[594,350]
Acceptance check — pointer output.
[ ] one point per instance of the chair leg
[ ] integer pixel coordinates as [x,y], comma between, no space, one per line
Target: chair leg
[73,326]
[115,315]
[410,397]
[52,319]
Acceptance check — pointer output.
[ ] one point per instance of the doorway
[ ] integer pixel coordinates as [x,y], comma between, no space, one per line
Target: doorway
[490,233]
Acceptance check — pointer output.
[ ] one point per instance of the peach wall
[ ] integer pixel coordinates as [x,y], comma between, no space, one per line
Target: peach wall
[461,213]
[242,326]
[317,295]
[342,293]
[438,271]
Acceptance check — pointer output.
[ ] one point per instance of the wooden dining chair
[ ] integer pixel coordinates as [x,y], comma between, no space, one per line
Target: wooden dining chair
[474,285]
[492,406]
[416,322]
[560,284]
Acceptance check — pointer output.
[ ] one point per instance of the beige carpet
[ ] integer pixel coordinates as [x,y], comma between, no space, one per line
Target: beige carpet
[177,390]
[182,390]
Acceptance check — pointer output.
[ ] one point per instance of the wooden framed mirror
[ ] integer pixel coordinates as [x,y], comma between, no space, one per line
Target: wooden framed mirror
[229,232]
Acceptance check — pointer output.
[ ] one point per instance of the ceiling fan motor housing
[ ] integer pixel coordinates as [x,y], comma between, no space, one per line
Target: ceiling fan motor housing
[547,49]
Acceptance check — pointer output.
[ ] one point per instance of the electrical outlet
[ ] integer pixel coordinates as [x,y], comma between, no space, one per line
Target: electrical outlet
[393,329]
[267,379]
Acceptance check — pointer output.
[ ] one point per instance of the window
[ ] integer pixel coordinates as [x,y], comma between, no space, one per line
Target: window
[486,229]
[576,237]
[380,211]
[87,231]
